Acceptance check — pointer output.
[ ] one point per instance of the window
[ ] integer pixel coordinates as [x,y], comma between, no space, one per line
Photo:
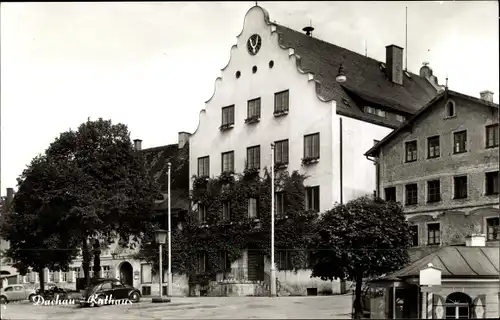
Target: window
[279,200]
[146,290]
[204,166]
[228,115]
[433,191]
[253,109]
[284,260]
[312,198]
[9,289]
[460,187]
[106,286]
[253,209]
[400,118]
[411,151]
[228,161]
[225,262]
[52,276]
[492,228]
[253,157]
[414,236]
[390,194]
[459,306]
[281,102]
[311,146]
[459,141]
[492,136]
[202,213]
[281,152]
[433,147]
[146,273]
[202,262]
[226,210]
[64,276]
[105,272]
[375,111]
[492,183]
[433,234]
[450,109]
[411,194]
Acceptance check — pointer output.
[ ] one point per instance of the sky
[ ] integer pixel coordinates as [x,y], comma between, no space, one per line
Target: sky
[152,65]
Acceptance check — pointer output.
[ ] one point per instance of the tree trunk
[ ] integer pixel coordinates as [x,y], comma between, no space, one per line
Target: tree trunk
[97,259]
[358,305]
[41,277]
[86,262]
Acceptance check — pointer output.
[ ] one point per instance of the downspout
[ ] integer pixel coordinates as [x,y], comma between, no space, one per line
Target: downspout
[377,174]
[341,165]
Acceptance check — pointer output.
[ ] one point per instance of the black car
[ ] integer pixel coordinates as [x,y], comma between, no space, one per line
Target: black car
[109,291]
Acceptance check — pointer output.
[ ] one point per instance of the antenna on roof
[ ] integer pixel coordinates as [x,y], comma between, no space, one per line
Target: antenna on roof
[366,48]
[406,39]
[446,84]
[256,4]
[308,30]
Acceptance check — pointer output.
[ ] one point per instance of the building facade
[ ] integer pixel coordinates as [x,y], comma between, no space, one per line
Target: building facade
[442,165]
[280,86]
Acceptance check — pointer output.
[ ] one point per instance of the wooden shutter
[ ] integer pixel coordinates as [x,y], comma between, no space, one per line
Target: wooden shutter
[438,307]
[479,307]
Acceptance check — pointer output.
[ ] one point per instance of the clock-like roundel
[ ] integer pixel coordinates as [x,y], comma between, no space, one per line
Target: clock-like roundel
[253,44]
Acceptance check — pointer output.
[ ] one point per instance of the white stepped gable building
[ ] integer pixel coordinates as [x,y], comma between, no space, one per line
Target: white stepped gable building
[280,86]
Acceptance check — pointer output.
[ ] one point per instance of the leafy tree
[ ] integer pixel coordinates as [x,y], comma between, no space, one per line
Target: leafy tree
[108,192]
[361,239]
[33,224]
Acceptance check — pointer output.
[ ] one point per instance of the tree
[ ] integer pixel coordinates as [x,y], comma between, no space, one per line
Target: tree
[33,223]
[361,239]
[107,191]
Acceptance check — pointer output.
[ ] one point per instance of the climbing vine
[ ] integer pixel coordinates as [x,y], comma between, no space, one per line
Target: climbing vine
[217,232]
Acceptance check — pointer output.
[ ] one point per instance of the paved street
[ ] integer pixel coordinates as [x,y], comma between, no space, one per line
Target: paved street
[324,307]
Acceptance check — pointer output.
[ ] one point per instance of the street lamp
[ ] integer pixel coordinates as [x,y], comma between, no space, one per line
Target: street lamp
[273,269]
[160,236]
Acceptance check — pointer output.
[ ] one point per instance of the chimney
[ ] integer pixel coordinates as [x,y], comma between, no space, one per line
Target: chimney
[137,144]
[394,63]
[486,95]
[425,70]
[10,197]
[183,138]
[475,240]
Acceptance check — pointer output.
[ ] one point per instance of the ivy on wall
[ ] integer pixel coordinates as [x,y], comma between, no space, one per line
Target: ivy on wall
[221,235]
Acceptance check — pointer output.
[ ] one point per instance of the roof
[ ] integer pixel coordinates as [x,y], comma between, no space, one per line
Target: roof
[157,159]
[367,83]
[375,149]
[455,262]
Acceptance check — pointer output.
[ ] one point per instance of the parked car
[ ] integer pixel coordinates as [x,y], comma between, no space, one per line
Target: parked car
[16,292]
[100,289]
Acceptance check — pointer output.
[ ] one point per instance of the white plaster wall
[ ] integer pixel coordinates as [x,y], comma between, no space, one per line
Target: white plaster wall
[359,174]
[308,114]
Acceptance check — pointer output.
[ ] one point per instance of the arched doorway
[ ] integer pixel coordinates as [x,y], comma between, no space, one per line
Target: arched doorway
[126,273]
[255,263]
[458,306]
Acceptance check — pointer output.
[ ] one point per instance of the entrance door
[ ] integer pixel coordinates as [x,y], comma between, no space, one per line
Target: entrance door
[255,264]
[126,273]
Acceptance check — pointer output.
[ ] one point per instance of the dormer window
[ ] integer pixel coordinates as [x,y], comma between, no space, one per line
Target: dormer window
[375,111]
[450,109]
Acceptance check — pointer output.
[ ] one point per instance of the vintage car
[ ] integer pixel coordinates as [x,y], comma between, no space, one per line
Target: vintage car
[16,292]
[108,291]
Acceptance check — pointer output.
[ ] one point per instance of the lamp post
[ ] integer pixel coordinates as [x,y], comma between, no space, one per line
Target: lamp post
[273,268]
[169,272]
[160,239]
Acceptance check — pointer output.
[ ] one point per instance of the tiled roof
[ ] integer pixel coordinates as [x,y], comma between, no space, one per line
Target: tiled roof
[157,159]
[373,152]
[455,262]
[366,83]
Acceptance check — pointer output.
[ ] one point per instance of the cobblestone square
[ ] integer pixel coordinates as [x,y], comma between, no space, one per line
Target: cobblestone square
[323,307]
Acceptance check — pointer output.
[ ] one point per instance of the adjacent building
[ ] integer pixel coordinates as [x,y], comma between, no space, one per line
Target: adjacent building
[321,105]
[442,165]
